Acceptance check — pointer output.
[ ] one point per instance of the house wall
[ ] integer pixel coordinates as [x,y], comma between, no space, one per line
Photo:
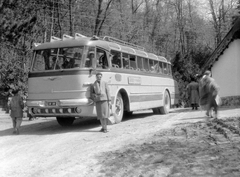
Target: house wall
[226,71]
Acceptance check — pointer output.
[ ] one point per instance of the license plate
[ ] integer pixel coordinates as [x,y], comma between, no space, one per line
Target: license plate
[52,103]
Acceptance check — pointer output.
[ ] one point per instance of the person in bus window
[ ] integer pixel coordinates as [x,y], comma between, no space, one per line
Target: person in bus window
[68,62]
[100,93]
[77,58]
[55,62]
[89,60]
[102,61]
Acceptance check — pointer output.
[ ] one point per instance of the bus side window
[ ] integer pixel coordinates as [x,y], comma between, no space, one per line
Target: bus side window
[170,69]
[145,64]
[125,60]
[39,62]
[46,55]
[102,61]
[165,68]
[160,67]
[151,65]
[90,58]
[140,64]
[77,58]
[116,59]
[133,63]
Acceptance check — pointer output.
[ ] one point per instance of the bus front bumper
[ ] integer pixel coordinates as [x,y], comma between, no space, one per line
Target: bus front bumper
[67,107]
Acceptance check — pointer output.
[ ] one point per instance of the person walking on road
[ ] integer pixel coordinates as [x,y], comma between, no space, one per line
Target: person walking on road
[100,93]
[193,92]
[208,93]
[16,106]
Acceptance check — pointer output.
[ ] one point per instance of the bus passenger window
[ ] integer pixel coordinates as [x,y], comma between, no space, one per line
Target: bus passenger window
[133,62]
[77,58]
[46,55]
[39,62]
[102,61]
[125,61]
[170,69]
[140,63]
[154,66]
[89,59]
[165,68]
[116,59]
[151,66]
[145,64]
[54,63]
[160,67]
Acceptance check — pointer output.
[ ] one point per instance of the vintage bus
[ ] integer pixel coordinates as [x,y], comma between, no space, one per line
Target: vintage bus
[62,72]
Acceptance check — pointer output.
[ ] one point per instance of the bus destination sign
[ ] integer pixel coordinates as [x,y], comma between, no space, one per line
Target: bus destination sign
[134,80]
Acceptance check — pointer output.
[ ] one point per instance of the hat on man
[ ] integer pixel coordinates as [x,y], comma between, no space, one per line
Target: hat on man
[208,73]
[99,74]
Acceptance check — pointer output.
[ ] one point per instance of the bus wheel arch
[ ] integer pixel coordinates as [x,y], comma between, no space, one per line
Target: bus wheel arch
[65,121]
[166,103]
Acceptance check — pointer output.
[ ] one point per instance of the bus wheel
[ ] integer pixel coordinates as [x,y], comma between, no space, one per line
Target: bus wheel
[65,121]
[166,104]
[119,108]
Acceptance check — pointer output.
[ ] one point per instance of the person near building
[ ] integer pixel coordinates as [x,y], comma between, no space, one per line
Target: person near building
[193,92]
[209,91]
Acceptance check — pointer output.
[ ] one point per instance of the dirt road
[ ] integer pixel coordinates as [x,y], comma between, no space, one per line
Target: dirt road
[136,147]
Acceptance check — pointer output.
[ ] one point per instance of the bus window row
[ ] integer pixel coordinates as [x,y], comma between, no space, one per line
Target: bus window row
[68,58]
[129,61]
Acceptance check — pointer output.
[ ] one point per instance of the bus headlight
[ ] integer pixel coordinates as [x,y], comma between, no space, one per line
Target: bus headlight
[78,110]
[34,110]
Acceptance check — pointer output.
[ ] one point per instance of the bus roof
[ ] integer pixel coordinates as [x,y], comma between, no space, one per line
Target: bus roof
[105,42]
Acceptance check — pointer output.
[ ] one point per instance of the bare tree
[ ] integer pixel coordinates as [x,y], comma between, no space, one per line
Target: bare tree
[101,16]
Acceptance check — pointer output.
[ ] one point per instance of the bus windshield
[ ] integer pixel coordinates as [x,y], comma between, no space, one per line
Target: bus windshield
[58,58]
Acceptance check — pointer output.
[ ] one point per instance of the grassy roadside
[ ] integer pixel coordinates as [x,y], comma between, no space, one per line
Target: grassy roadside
[207,149]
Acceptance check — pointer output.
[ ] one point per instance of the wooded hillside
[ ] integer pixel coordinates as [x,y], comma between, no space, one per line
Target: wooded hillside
[183,31]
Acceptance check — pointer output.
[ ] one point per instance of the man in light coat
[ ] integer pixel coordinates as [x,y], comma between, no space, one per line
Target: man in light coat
[100,93]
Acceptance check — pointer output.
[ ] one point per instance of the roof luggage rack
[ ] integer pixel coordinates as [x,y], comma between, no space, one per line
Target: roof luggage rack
[118,41]
[53,39]
[65,36]
[78,35]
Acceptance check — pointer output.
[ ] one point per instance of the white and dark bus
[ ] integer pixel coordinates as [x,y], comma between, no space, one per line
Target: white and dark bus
[62,72]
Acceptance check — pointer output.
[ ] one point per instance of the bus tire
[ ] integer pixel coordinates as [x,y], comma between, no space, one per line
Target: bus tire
[119,109]
[166,104]
[65,121]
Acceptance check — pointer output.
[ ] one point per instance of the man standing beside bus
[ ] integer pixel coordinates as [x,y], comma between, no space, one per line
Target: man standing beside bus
[100,93]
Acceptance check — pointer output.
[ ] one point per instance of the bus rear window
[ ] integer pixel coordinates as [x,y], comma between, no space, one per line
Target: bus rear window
[55,59]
